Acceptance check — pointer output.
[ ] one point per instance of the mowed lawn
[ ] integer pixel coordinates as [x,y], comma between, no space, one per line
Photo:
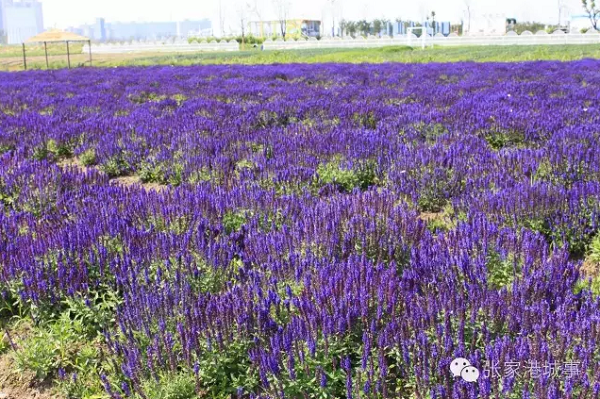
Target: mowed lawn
[11,57]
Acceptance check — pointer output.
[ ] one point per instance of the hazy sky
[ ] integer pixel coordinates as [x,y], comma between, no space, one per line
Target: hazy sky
[64,13]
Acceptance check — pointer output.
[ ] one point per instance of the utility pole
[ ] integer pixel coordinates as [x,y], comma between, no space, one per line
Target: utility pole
[468,5]
[332,18]
[221,22]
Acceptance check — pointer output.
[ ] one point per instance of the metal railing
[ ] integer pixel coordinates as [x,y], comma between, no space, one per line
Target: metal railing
[410,39]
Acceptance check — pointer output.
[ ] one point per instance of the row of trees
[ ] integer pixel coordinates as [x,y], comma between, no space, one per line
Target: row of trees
[364,27]
[533,27]
[380,26]
[377,26]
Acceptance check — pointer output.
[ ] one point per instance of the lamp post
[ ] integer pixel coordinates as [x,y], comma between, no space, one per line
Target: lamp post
[68,56]
[24,58]
[46,53]
[332,17]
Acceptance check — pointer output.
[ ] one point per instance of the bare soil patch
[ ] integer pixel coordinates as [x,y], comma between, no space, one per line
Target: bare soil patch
[15,385]
[590,269]
[133,180]
[427,216]
[66,163]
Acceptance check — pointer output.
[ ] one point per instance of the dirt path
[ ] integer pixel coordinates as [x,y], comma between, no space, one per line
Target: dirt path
[121,181]
[15,63]
[15,385]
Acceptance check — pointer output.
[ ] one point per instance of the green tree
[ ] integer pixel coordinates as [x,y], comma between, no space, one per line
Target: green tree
[351,28]
[343,27]
[282,7]
[592,11]
[364,27]
[377,26]
[468,7]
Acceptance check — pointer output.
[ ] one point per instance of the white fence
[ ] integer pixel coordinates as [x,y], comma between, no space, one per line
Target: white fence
[160,46]
[511,38]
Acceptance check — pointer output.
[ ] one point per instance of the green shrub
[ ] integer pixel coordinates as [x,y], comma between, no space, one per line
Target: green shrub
[115,166]
[431,132]
[175,177]
[222,373]
[233,221]
[62,150]
[88,157]
[151,172]
[500,270]
[368,120]
[223,370]
[6,148]
[592,284]
[501,139]
[247,39]
[40,152]
[594,249]
[61,348]
[438,185]
[363,176]
[250,39]
[97,313]
[171,386]
[37,354]
[84,384]
[50,347]
[147,96]
[199,176]
[432,199]
[436,225]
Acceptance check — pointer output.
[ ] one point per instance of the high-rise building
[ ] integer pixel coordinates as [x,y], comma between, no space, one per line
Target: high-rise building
[3,36]
[19,20]
[102,30]
[99,30]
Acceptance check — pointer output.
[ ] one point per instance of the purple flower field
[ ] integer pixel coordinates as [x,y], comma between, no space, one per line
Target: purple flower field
[311,231]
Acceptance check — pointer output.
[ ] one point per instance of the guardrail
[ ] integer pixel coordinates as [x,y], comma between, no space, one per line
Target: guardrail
[167,47]
[511,38]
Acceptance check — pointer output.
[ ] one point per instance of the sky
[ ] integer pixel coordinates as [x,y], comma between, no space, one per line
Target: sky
[65,13]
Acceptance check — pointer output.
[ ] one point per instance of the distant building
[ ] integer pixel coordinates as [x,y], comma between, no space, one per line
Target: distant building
[141,30]
[102,31]
[19,20]
[3,35]
[99,30]
[303,27]
[400,27]
[430,27]
[433,28]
